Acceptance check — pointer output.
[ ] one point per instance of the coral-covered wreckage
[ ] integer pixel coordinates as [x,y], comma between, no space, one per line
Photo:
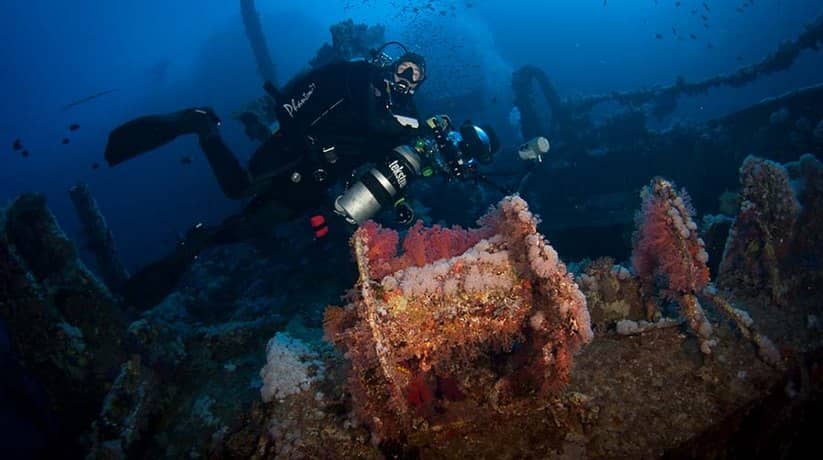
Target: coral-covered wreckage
[466,325]
[472,342]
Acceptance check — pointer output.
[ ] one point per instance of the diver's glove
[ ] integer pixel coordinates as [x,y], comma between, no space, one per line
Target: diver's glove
[403,212]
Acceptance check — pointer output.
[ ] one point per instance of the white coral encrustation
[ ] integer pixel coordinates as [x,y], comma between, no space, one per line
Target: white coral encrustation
[291,367]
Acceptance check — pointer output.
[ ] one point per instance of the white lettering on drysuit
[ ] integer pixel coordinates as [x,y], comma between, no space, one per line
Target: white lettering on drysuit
[295,105]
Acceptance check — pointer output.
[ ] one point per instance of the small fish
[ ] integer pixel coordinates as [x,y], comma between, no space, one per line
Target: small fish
[739,58]
[186,160]
[66,140]
[658,36]
[677,4]
[17,145]
[706,7]
[95,166]
[709,45]
[25,153]
[74,127]
[693,36]
[88,98]
[494,99]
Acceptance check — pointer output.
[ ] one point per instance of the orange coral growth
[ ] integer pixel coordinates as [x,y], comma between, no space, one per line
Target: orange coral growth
[460,316]
[666,244]
[421,246]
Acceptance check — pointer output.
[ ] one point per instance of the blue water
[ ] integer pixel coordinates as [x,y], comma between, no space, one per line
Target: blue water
[156,56]
[161,56]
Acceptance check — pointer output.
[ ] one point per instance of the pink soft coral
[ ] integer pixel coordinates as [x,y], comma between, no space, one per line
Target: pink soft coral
[425,245]
[421,246]
[666,241]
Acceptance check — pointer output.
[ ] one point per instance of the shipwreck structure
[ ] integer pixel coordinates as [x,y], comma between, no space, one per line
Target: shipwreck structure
[467,343]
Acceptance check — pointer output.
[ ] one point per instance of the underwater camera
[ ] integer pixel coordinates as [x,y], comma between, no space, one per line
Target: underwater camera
[454,153]
[460,150]
[379,186]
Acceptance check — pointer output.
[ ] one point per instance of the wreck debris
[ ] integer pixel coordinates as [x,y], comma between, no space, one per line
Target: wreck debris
[774,245]
[658,101]
[126,412]
[98,237]
[193,390]
[200,344]
[780,59]
[257,39]
[612,293]
[667,246]
[630,327]
[441,341]
[744,322]
[63,322]
[530,125]
[349,41]
[806,267]
[762,231]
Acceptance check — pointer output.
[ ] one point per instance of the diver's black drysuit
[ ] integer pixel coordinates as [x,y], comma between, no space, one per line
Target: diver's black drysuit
[332,119]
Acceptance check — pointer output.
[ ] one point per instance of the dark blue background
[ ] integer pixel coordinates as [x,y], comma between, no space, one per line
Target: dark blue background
[163,55]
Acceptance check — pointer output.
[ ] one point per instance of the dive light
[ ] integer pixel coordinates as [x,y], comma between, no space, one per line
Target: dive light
[534,149]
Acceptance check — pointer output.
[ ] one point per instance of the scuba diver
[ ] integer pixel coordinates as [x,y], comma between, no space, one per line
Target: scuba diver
[353,120]
[330,119]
